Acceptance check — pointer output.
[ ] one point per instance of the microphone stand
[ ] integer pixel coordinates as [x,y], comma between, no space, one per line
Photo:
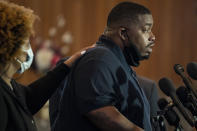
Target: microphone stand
[162,125]
[160,119]
[179,128]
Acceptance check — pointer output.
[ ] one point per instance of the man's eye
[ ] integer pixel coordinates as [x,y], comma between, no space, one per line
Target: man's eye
[146,30]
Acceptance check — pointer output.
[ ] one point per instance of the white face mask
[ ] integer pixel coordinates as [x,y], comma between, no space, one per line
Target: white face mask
[25,65]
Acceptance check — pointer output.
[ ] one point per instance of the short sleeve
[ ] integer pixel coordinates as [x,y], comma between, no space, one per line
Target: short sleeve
[94,86]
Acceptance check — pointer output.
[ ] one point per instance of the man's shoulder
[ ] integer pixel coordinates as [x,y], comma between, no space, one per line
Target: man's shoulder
[99,54]
[145,81]
[99,59]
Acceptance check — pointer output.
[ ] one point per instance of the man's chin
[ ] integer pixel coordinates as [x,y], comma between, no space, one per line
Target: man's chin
[146,57]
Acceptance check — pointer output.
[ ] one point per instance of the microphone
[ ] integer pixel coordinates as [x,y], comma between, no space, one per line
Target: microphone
[167,87]
[192,70]
[159,120]
[180,71]
[162,103]
[169,113]
[187,100]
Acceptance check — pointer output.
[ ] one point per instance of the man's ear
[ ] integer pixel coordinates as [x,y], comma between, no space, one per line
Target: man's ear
[122,33]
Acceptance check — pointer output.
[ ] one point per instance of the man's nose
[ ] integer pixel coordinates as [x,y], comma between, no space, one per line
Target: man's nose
[152,37]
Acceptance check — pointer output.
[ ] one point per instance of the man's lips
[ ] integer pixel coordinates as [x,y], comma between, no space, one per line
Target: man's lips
[149,47]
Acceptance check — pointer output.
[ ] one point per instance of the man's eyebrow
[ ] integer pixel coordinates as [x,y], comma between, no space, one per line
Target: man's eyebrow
[149,24]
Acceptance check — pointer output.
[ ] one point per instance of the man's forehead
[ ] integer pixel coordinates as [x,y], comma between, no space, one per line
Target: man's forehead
[141,21]
[146,19]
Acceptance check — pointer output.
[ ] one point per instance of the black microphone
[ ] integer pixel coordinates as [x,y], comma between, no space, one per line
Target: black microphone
[169,113]
[162,103]
[159,118]
[187,99]
[192,70]
[167,87]
[180,71]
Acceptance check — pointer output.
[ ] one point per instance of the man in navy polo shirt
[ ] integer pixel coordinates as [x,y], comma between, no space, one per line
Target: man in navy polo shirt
[102,91]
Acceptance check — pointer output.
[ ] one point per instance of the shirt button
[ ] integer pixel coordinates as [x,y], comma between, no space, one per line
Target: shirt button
[32,121]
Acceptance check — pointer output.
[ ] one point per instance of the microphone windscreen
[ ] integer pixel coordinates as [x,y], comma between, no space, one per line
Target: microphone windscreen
[166,86]
[172,117]
[182,93]
[162,103]
[192,70]
[178,68]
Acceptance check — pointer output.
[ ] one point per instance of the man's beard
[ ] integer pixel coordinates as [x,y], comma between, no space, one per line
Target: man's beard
[145,57]
[133,55]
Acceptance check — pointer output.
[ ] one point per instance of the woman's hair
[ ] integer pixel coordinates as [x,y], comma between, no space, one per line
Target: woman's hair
[16,25]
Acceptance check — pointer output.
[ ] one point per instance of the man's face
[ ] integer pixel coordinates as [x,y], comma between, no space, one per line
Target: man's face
[141,36]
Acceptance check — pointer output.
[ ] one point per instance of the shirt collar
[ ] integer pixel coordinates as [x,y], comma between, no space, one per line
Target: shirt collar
[110,44]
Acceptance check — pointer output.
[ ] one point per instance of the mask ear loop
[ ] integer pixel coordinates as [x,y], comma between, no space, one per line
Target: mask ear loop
[18,75]
[18,61]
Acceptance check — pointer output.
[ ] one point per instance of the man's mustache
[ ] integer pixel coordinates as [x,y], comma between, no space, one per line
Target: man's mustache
[150,44]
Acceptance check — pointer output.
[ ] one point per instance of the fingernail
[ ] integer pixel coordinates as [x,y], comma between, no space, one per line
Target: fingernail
[83,52]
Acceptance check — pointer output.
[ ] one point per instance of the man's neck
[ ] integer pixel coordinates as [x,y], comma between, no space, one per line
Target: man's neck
[113,35]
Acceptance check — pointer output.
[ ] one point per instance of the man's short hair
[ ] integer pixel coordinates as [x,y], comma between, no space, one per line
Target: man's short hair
[125,12]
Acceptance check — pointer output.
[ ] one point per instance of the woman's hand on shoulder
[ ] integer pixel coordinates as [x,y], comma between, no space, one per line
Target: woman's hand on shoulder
[76,55]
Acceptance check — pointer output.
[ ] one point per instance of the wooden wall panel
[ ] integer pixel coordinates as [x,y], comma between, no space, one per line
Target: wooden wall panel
[175,27]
